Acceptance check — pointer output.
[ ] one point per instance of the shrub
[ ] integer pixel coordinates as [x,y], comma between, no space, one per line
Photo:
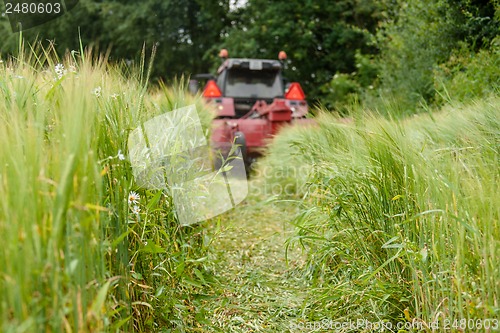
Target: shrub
[468,75]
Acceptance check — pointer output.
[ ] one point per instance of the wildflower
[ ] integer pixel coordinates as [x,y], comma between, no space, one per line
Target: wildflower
[120,155]
[114,96]
[60,71]
[97,91]
[136,210]
[424,253]
[133,198]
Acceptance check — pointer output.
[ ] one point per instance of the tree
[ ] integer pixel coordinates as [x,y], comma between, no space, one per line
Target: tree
[416,37]
[182,30]
[320,37]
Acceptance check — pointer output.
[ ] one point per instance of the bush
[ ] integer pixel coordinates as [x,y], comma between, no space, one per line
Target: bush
[468,75]
[341,91]
[422,46]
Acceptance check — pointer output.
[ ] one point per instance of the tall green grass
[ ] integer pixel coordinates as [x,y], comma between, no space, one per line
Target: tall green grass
[400,219]
[75,256]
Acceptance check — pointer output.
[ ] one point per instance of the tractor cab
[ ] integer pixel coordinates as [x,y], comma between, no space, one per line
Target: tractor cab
[247,81]
[252,102]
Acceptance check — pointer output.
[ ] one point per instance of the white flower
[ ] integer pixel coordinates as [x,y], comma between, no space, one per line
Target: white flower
[97,91]
[60,71]
[120,155]
[114,96]
[136,210]
[133,198]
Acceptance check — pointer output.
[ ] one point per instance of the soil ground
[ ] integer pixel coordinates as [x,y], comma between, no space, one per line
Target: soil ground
[262,284]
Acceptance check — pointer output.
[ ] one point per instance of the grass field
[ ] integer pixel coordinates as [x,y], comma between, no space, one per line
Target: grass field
[400,219]
[79,254]
[377,219]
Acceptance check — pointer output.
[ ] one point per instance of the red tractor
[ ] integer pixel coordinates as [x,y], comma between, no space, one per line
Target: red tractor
[252,102]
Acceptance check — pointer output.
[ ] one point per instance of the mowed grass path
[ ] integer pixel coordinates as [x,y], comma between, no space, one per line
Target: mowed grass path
[262,288]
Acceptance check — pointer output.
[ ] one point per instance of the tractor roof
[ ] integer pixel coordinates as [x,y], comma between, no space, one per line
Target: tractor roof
[252,64]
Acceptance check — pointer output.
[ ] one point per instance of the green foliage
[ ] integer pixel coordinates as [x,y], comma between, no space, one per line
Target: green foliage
[468,75]
[413,43]
[475,22]
[182,31]
[344,90]
[394,46]
[398,217]
[321,38]
[417,37]
[78,254]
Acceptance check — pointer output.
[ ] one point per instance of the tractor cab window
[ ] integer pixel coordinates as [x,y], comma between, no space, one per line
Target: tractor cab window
[246,83]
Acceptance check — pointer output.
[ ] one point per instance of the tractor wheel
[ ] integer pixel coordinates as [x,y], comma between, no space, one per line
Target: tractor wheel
[241,142]
[241,146]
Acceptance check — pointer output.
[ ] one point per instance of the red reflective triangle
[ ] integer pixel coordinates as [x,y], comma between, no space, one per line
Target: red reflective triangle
[295,92]
[211,90]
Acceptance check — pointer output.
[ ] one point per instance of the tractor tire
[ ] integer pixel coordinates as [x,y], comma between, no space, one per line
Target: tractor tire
[241,142]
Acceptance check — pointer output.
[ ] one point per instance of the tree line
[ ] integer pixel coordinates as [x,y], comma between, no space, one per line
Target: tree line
[341,51]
